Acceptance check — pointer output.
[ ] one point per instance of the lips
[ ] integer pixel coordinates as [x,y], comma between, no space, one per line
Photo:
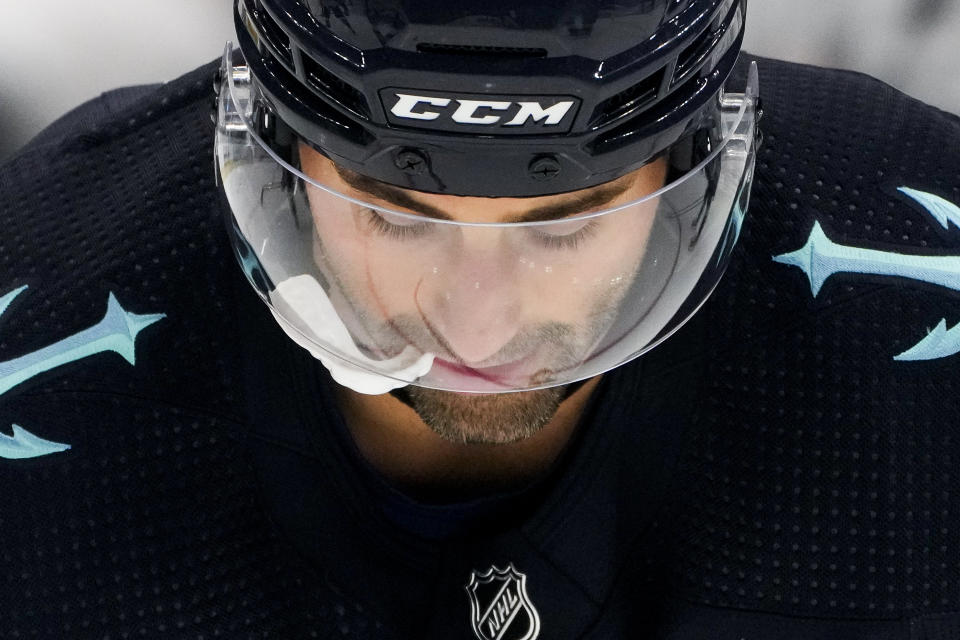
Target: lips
[510,375]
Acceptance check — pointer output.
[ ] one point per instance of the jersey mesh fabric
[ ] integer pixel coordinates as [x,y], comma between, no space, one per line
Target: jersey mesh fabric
[149,526]
[821,476]
[805,478]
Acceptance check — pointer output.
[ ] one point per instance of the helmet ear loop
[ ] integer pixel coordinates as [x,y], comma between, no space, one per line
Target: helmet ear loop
[285,143]
[689,153]
[292,184]
[295,187]
[249,262]
[713,176]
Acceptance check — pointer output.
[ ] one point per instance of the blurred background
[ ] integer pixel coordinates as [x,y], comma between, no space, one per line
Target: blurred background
[55,55]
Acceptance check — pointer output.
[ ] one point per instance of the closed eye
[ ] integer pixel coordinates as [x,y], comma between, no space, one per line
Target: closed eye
[564,235]
[394,226]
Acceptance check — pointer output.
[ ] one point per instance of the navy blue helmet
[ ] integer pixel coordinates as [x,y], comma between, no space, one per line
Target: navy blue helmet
[491,97]
[361,145]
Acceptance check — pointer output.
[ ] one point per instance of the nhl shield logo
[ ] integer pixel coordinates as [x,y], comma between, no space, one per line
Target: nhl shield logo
[499,606]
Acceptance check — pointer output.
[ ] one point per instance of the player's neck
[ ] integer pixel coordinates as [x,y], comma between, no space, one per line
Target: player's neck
[393,438]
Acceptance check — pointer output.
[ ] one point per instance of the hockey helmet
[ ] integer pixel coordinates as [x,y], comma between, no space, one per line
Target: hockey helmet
[483,196]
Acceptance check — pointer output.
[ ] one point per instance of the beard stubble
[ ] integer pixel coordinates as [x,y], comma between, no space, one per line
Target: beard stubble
[485,418]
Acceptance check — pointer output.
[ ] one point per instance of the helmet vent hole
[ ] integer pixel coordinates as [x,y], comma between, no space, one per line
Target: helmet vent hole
[482,50]
[628,101]
[691,57]
[270,32]
[333,87]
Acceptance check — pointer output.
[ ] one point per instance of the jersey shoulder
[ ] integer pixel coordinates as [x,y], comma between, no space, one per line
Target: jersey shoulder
[115,338]
[819,476]
[852,238]
[129,508]
[90,115]
[118,266]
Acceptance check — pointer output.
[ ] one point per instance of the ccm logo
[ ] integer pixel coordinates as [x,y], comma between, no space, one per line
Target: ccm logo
[486,112]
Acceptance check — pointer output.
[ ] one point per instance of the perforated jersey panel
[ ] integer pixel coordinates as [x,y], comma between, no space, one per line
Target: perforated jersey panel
[149,525]
[821,478]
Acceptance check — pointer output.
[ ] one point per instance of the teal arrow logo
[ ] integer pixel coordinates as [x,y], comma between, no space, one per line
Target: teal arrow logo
[821,258]
[116,332]
[24,444]
[939,343]
[943,211]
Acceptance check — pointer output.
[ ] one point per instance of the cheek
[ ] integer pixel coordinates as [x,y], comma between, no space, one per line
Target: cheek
[571,286]
[372,273]
[338,248]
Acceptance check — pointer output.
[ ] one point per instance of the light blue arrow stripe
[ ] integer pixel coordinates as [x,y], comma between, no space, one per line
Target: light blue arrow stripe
[24,444]
[939,343]
[10,297]
[116,332]
[820,258]
[942,210]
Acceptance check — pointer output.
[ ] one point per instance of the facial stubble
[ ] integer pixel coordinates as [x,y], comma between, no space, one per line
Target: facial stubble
[486,418]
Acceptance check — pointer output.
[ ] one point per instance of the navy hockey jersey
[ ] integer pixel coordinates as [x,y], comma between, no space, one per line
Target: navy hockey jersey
[785,466]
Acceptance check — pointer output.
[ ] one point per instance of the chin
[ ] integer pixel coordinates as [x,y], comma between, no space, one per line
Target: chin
[486,418]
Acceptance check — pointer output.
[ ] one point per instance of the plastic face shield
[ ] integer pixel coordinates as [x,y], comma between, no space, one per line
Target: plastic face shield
[390,287]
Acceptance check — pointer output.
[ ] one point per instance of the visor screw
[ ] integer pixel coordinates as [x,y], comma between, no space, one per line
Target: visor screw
[544,168]
[410,161]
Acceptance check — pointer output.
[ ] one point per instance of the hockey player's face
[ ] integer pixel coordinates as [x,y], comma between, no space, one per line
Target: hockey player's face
[510,307]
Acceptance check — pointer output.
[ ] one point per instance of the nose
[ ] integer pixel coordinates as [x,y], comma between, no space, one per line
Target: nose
[473,301]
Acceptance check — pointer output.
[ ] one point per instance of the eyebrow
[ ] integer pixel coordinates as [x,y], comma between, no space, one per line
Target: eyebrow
[401,198]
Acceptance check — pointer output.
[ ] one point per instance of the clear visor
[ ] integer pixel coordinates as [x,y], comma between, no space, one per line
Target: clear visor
[389,287]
